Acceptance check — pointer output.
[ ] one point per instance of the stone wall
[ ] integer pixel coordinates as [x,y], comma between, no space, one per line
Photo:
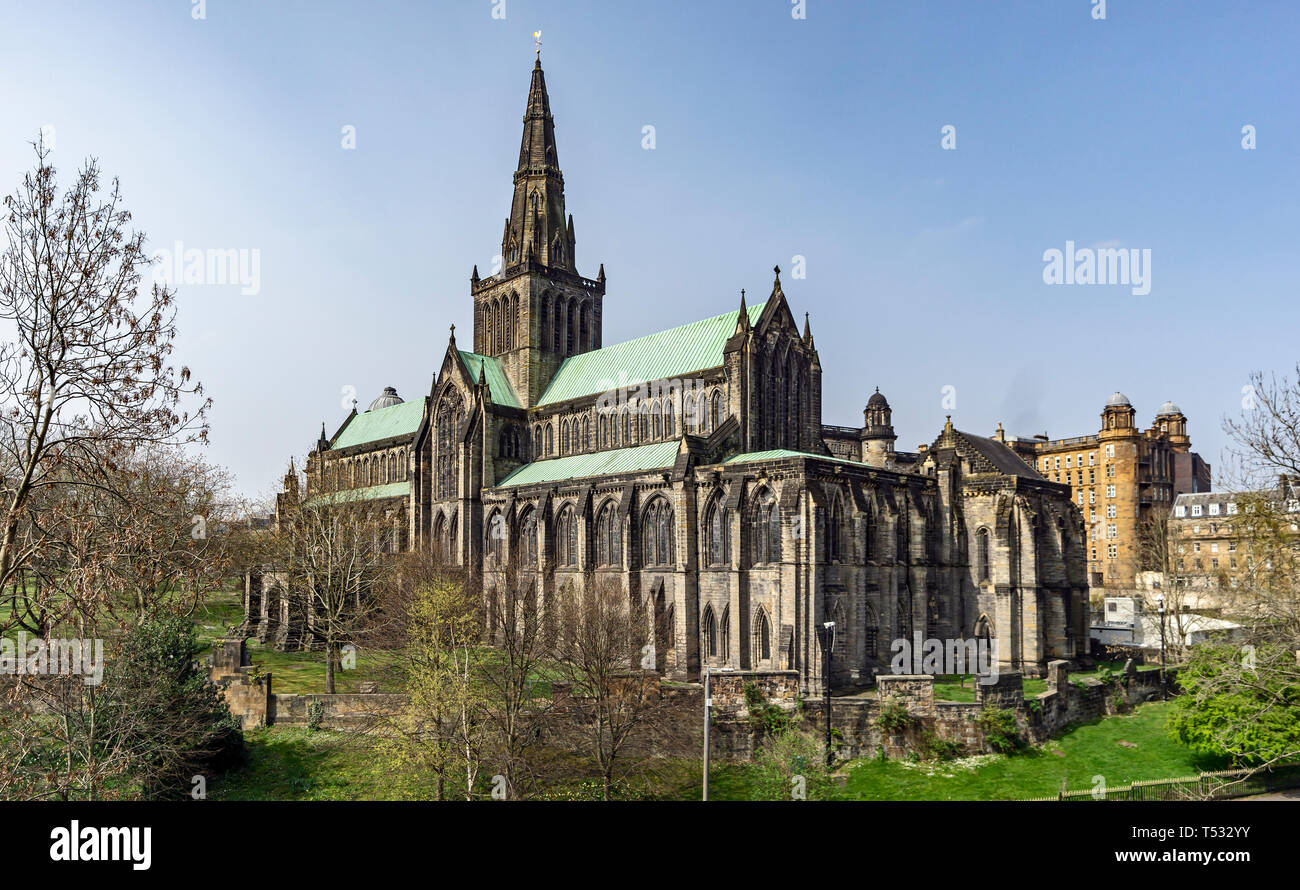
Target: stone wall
[854,719]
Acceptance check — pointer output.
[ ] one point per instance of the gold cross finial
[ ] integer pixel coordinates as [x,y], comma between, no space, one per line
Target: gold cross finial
[537,39]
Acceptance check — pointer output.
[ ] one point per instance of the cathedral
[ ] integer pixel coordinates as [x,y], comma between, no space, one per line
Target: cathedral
[691,468]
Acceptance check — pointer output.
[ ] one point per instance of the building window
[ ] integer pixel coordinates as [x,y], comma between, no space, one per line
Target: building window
[835,531]
[657,534]
[1110,491]
[710,633]
[982,554]
[762,638]
[765,539]
[1196,509]
[609,544]
[566,538]
[496,535]
[528,540]
[1112,551]
[719,530]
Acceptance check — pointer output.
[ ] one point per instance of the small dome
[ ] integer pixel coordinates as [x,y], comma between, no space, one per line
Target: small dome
[877,400]
[1169,408]
[1118,400]
[387,399]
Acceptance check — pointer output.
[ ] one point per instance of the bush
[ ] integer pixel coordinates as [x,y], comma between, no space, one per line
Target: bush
[763,715]
[999,728]
[940,748]
[315,714]
[894,717]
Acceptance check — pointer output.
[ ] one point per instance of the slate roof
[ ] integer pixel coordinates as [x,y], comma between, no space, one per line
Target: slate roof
[676,352]
[498,383]
[637,459]
[381,423]
[778,453]
[991,456]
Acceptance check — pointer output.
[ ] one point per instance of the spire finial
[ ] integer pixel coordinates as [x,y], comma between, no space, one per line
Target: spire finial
[537,39]
[453,333]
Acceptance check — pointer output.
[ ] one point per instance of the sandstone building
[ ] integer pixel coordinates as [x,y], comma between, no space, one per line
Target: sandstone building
[1120,478]
[691,467]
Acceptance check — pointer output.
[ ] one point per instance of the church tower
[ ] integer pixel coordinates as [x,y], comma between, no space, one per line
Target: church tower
[537,310]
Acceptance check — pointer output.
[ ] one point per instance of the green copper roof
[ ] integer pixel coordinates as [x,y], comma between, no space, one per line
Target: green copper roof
[779,453]
[498,383]
[637,459]
[382,423]
[372,493]
[675,352]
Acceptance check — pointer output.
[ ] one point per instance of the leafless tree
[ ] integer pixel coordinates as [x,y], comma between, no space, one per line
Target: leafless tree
[600,651]
[87,381]
[335,555]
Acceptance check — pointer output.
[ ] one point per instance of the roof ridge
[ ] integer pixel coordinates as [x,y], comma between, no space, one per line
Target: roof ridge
[574,364]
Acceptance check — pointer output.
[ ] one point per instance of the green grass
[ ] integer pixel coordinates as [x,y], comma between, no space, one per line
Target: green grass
[292,763]
[1075,758]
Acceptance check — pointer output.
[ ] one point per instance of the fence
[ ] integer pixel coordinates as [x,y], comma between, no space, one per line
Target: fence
[1206,786]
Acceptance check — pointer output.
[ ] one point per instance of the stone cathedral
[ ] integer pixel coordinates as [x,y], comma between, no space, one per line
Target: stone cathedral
[691,467]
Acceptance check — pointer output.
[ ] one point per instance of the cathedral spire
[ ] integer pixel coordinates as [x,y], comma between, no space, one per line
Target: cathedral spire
[537,229]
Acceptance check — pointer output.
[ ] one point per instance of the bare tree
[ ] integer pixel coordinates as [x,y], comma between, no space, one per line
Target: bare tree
[599,655]
[87,380]
[335,555]
[509,674]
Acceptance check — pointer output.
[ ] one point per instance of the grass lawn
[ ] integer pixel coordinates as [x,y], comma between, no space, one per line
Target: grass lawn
[292,763]
[1076,757]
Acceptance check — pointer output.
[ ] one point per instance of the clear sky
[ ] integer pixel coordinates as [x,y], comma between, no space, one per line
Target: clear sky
[775,137]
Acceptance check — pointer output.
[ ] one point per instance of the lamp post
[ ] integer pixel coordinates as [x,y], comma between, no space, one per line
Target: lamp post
[708,704]
[828,640]
[1160,604]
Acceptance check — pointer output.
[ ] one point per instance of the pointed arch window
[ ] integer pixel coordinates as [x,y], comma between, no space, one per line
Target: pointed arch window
[550,439]
[870,633]
[724,633]
[718,410]
[528,540]
[566,538]
[670,420]
[710,633]
[657,534]
[982,555]
[719,533]
[765,529]
[448,437]
[835,530]
[609,543]
[762,637]
[495,532]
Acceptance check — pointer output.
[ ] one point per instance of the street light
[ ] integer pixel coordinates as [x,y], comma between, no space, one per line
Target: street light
[828,640]
[708,703]
[1160,603]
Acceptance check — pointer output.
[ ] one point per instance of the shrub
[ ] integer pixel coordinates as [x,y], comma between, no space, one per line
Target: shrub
[315,714]
[999,727]
[894,716]
[940,748]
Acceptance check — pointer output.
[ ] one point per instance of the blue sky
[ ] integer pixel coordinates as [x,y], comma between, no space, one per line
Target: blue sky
[775,138]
